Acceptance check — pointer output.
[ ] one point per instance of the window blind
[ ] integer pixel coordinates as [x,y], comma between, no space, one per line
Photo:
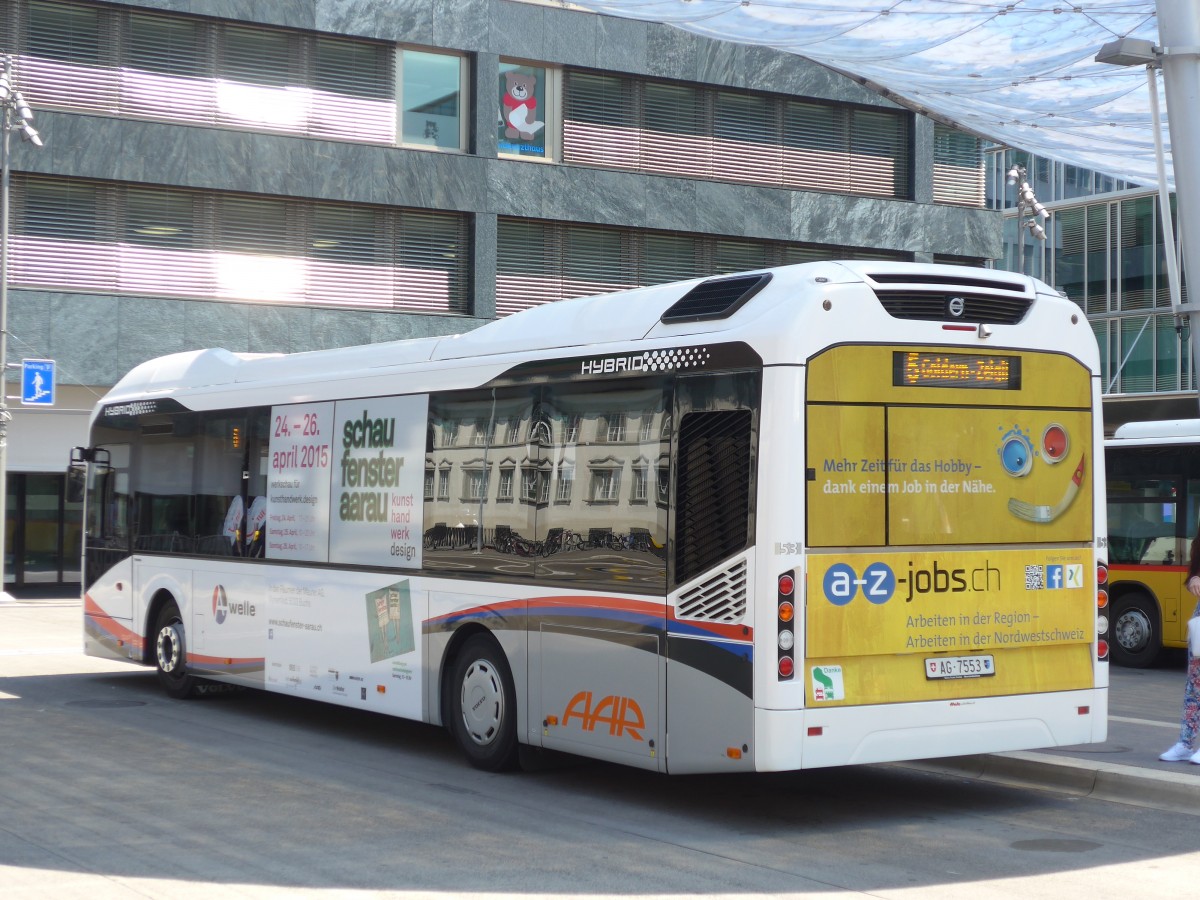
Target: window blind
[76,235]
[81,56]
[666,128]
[958,175]
[542,262]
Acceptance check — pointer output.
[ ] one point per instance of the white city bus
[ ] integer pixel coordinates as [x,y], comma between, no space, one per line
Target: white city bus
[832,513]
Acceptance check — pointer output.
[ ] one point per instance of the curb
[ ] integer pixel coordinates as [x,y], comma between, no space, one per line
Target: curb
[1102,781]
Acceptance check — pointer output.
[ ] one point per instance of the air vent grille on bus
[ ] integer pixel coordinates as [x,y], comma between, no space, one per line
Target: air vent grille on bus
[713,489]
[721,598]
[717,298]
[940,306]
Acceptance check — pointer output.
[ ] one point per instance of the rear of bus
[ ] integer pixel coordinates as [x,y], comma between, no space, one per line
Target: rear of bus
[937,590]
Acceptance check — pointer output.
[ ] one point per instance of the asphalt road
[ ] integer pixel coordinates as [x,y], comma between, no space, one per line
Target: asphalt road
[112,790]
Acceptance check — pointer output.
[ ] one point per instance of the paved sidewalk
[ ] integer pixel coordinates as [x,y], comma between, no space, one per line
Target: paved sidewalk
[1144,708]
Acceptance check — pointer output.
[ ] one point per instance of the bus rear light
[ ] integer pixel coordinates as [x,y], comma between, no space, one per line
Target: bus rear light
[816,730]
[1101,624]
[787,584]
[1101,573]
[1083,710]
[1101,599]
[786,611]
[786,667]
[1101,649]
[786,640]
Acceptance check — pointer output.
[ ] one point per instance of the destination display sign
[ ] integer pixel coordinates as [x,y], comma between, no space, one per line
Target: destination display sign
[922,368]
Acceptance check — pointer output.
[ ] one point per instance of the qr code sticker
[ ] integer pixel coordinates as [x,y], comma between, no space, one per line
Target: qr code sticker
[1035,578]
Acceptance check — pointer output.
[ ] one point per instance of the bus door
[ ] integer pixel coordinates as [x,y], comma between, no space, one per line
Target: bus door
[107,522]
[598,646]
[710,705]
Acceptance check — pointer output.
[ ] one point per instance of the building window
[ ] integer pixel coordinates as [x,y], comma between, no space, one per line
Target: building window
[646,426]
[504,490]
[535,485]
[192,69]
[625,122]
[539,262]
[540,434]
[614,428]
[512,430]
[134,239]
[524,103]
[572,430]
[476,485]
[641,481]
[429,485]
[443,484]
[606,485]
[431,104]
[566,484]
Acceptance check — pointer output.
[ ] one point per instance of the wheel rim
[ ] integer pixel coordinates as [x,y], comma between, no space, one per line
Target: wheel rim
[482,702]
[169,647]
[1132,630]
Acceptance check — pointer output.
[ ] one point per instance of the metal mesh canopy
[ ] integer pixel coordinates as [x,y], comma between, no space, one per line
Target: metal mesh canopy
[1021,73]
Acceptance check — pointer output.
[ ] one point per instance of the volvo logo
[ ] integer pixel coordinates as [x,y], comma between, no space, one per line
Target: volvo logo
[956,306]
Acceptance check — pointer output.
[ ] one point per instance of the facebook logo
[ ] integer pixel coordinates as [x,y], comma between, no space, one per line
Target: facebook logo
[1054,577]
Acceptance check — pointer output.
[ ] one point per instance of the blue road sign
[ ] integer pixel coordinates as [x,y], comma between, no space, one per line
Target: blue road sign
[37,382]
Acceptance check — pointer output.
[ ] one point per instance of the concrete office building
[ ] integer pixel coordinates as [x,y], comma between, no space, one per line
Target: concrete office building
[287,175]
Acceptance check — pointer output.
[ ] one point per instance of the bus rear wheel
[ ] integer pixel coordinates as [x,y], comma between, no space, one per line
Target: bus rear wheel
[1136,632]
[170,653]
[483,705]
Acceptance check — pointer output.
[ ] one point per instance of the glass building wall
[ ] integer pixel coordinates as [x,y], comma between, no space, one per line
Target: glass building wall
[1103,249]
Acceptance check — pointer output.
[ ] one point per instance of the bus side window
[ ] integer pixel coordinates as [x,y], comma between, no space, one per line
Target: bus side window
[162,483]
[1142,532]
[109,508]
[221,445]
[1193,511]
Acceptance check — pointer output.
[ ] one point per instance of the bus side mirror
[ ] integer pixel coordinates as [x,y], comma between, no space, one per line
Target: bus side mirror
[76,482]
[77,473]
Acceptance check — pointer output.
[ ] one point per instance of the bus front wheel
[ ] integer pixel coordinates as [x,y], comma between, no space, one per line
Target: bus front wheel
[1136,632]
[483,705]
[170,653]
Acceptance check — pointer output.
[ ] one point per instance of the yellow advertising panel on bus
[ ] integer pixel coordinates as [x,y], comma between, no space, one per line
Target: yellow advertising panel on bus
[931,458]
[967,623]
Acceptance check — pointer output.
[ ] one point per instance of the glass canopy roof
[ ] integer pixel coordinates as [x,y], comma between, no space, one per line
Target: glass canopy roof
[1020,73]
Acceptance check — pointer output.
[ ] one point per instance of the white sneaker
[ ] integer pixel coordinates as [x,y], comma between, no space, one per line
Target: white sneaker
[1179,753]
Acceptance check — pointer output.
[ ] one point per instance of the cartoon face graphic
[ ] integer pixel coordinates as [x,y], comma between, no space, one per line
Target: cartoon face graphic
[1017,453]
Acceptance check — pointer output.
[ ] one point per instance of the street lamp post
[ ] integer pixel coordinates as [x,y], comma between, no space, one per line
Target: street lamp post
[15,115]
[1030,213]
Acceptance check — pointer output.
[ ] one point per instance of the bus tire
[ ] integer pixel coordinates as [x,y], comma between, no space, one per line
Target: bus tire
[483,705]
[1136,631]
[170,653]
